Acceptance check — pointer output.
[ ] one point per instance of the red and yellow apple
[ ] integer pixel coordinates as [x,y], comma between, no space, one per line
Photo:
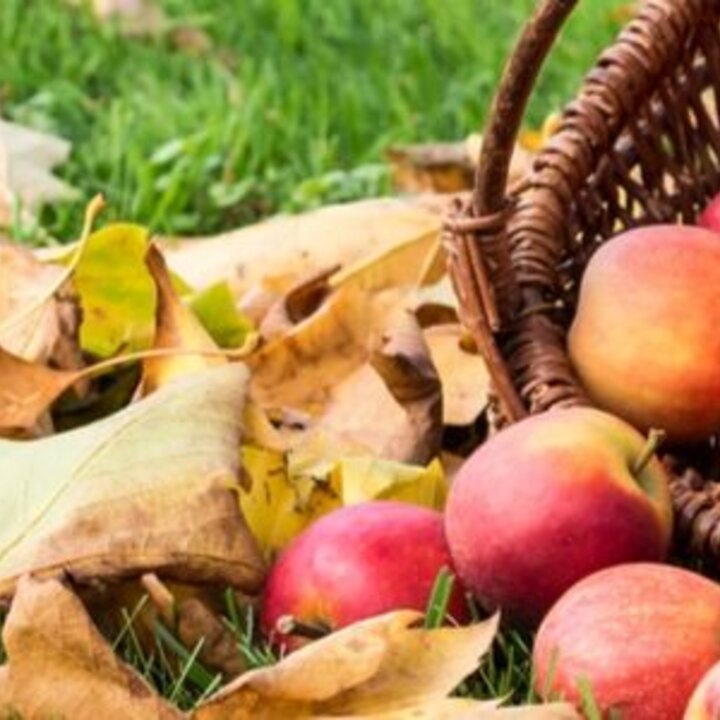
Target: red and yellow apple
[357,562]
[550,500]
[705,701]
[644,341]
[639,637]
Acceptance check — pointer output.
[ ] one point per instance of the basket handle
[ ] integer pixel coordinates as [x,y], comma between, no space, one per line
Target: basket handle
[479,256]
[510,102]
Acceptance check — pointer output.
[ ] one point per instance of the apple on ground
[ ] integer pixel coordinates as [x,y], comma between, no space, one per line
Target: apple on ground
[705,701]
[644,340]
[357,562]
[639,637]
[550,500]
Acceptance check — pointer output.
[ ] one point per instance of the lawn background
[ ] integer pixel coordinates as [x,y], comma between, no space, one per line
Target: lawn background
[292,106]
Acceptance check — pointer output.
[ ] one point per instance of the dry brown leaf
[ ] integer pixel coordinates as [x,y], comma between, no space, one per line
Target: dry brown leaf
[431,167]
[276,254]
[27,158]
[26,392]
[151,488]
[464,375]
[176,327]
[377,666]
[60,666]
[33,335]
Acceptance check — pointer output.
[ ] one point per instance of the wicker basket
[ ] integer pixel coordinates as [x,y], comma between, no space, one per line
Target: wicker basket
[639,145]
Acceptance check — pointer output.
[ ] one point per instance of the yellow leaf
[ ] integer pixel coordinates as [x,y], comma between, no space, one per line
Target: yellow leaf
[59,666]
[215,308]
[366,478]
[151,487]
[285,495]
[117,293]
[278,506]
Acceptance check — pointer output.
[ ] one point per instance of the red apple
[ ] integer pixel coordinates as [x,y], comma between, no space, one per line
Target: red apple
[357,562]
[644,341]
[550,500]
[640,636]
[710,217]
[705,701]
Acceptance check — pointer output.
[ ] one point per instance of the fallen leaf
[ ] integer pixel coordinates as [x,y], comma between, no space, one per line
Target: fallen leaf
[279,252]
[27,158]
[60,666]
[431,167]
[463,374]
[29,328]
[366,478]
[152,488]
[116,291]
[377,666]
[216,309]
[26,392]
[176,327]
[286,494]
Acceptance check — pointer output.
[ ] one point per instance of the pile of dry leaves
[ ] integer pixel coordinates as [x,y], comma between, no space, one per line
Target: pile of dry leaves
[173,413]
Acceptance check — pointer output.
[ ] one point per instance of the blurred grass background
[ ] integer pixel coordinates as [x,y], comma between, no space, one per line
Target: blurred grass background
[278,104]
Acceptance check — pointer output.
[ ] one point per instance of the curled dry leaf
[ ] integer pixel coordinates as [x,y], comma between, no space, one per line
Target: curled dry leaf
[175,327]
[39,317]
[278,253]
[27,158]
[464,374]
[60,666]
[382,665]
[153,487]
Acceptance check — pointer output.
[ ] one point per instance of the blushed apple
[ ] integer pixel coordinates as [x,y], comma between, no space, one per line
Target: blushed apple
[357,562]
[644,341]
[550,500]
[639,636]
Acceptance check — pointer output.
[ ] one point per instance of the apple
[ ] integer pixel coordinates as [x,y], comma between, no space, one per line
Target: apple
[644,340]
[550,500]
[705,700]
[710,217]
[357,562]
[639,636]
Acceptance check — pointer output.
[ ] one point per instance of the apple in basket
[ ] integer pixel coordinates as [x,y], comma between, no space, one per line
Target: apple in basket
[354,563]
[636,637]
[644,341]
[710,217]
[550,500]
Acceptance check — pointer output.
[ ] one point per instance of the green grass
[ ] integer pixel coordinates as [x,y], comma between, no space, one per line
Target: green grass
[293,105]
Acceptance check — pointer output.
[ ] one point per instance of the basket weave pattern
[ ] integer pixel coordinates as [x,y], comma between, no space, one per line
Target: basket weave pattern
[639,145]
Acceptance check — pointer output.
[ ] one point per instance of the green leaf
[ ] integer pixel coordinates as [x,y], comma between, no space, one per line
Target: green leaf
[215,308]
[116,291]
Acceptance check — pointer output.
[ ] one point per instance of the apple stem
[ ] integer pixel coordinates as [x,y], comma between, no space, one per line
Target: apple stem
[290,625]
[655,439]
